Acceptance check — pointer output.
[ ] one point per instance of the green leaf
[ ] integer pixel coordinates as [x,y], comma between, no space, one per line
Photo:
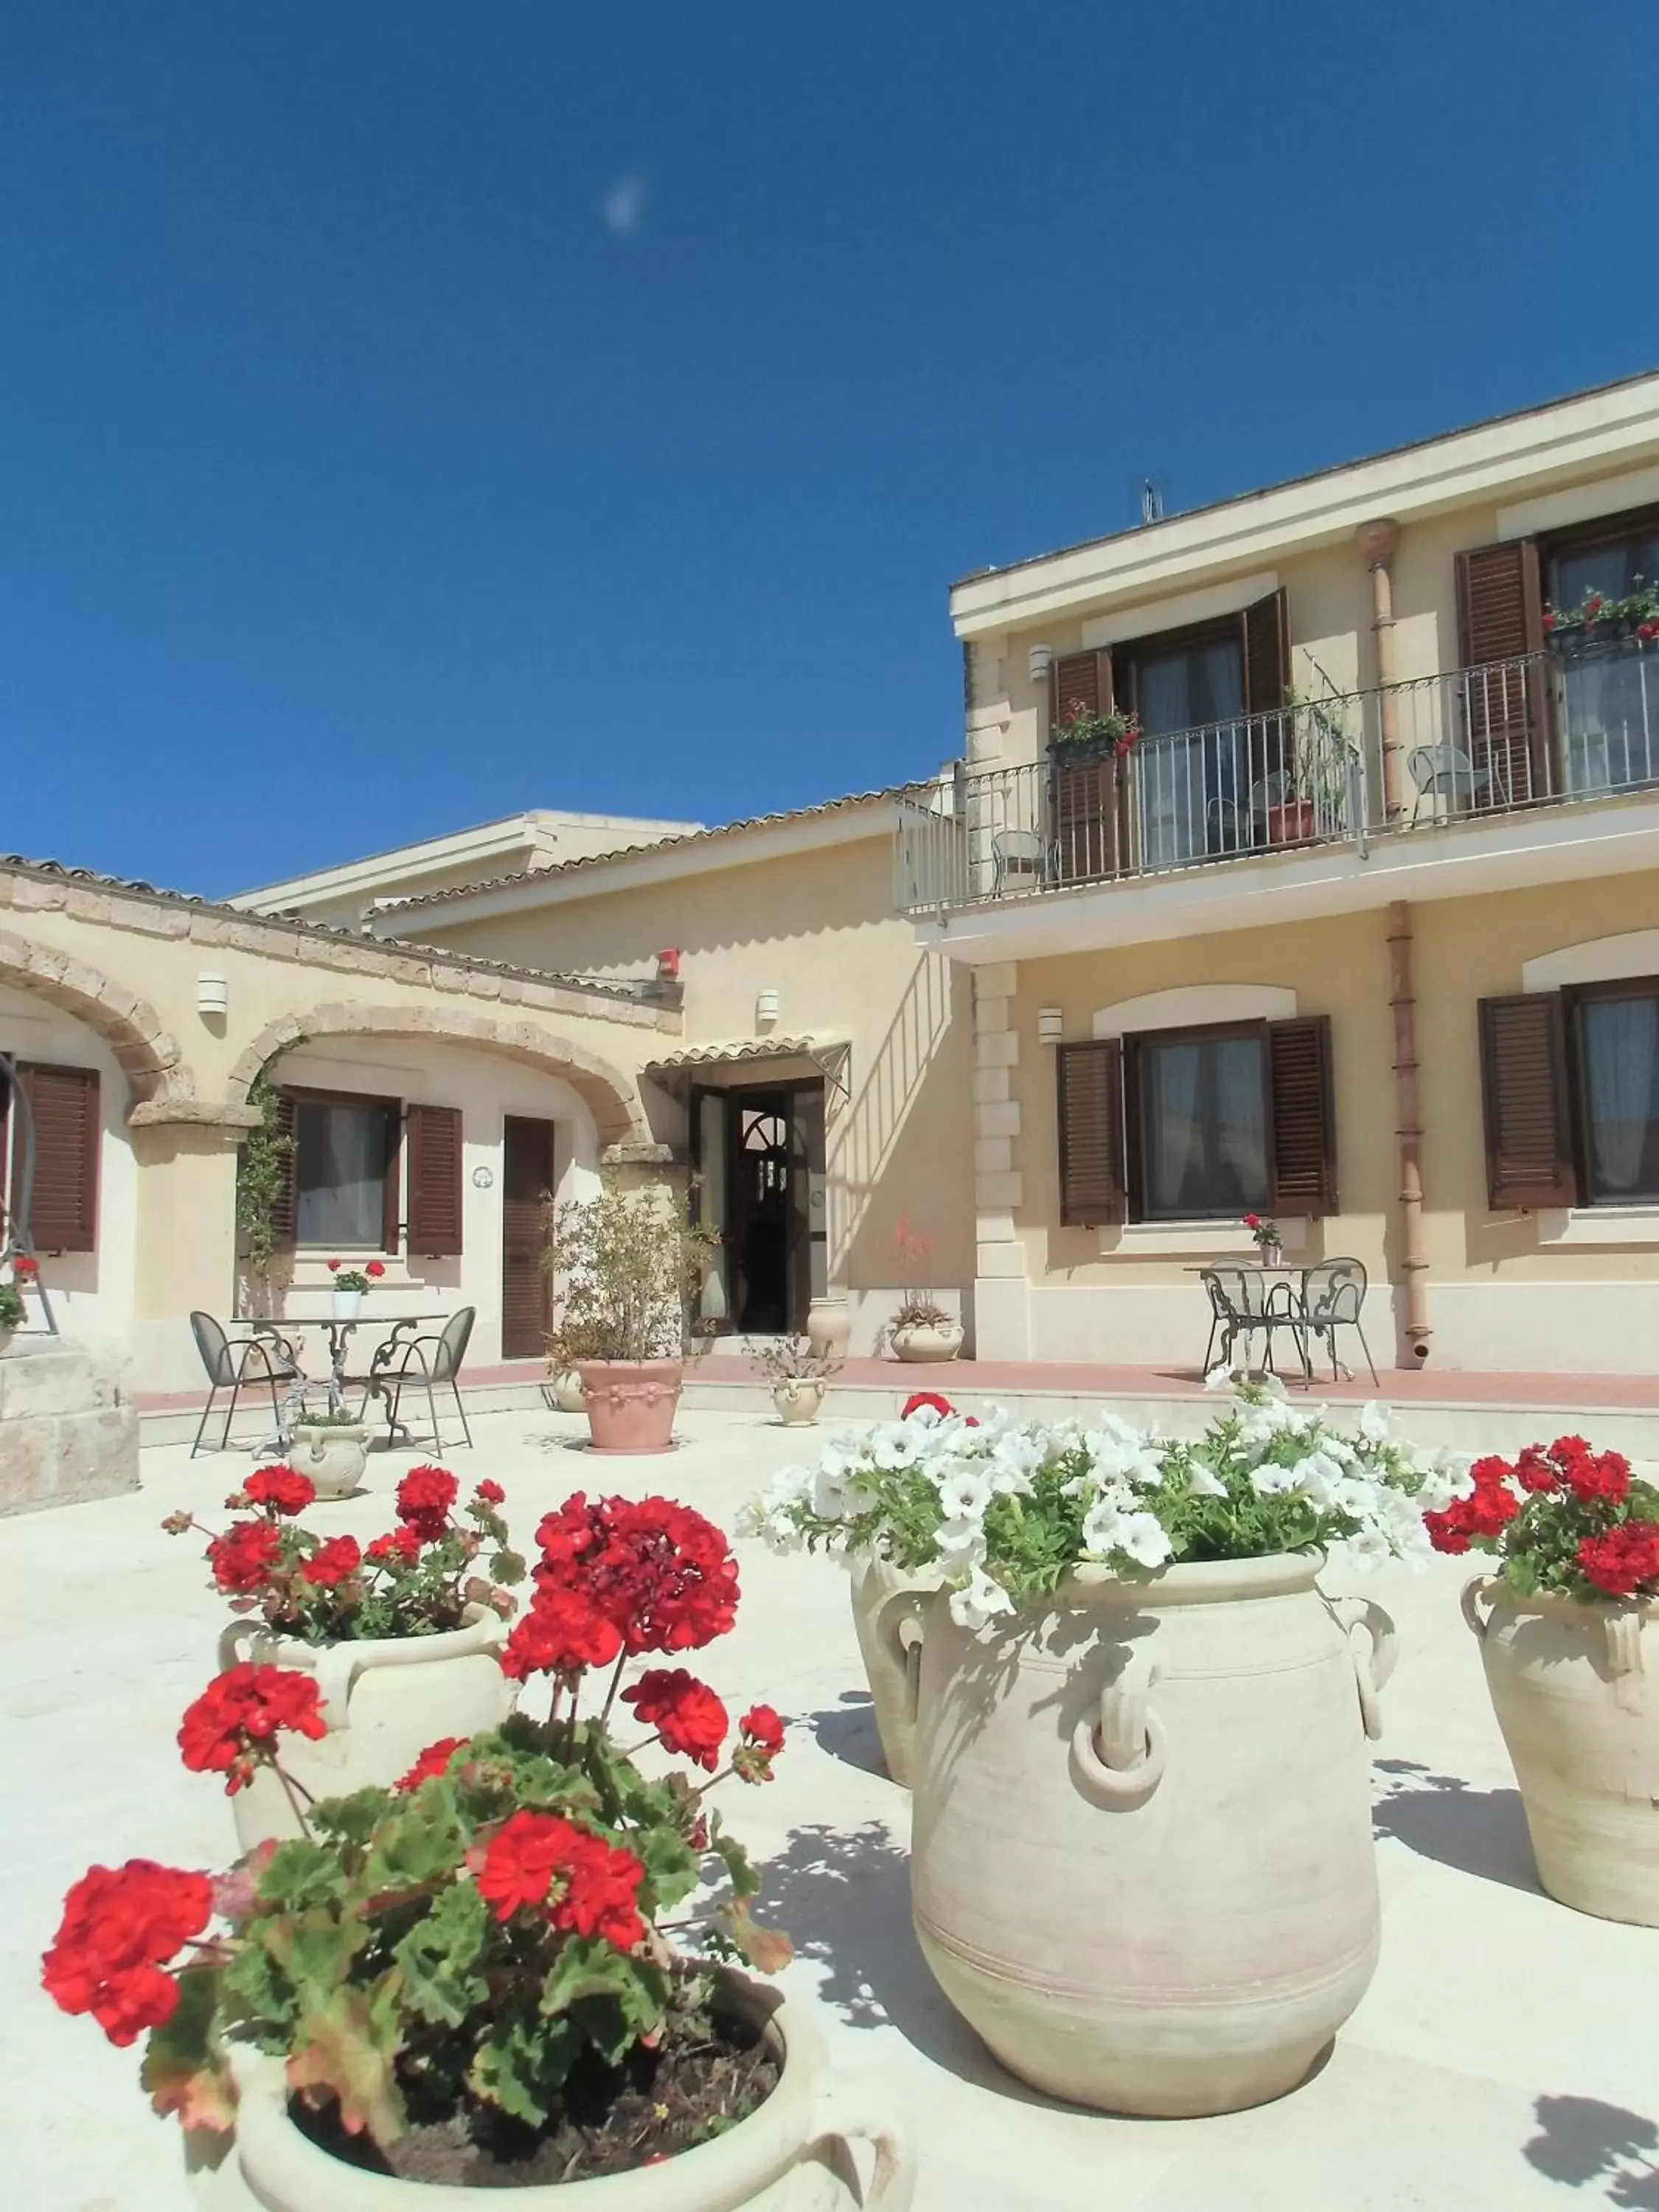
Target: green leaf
[352,1819]
[302,1874]
[520,2064]
[587,1967]
[745,1882]
[259,1998]
[314,1950]
[183,2071]
[421,1839]
[438,1953]
[346,2048]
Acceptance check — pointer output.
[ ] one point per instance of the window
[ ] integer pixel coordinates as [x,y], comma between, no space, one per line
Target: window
[1572,1096]
[345,1180]
[1608,695]
[1198,1124]
[67,1123]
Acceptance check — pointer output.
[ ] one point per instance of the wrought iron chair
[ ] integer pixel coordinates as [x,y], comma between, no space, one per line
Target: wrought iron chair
[1243,1303]
[1442,771]
[422,1363]
[1020,852]
[261,1361]
[1247,824]
[1334,1298]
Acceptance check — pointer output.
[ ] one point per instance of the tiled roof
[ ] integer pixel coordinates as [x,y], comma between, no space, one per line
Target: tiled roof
[661,845]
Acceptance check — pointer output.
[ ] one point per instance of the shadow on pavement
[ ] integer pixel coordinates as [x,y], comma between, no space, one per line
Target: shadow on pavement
[1479,1832]
[1582,2140]
[847,1732]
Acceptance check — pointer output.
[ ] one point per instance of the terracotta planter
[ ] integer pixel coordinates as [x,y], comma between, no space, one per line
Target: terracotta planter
[925,1342]
[891,1654]
[1572,1687]
[1292,824]
[630,1404]
[332,1457]
[384,1699]
[564,1392]
[830,1328]
[797,1401]
[1142,1865]
[792,2156]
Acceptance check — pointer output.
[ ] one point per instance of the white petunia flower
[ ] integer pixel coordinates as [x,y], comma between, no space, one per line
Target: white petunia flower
[1374,1423]
[1203,1481]
[960,1542]
[1269,1480]
[896,1446]
[979,1601]
[1218,1378]
[965,1493]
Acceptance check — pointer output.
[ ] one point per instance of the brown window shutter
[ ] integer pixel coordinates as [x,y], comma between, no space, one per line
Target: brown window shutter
[1080,679]
[285,1208]
[1266,652]
[1500,617]
[1303,1154]
[68,1129]
[1523,1081]
[392,1187]
[1089,1079]
[432,1141]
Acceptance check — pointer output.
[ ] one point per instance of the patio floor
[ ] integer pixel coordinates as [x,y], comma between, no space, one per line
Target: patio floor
[1502,2061]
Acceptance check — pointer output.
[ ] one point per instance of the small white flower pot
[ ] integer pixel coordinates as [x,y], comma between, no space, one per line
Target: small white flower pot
[926,1343]
[348,1305]
[797,1401]
[332,1457]
[564,1392]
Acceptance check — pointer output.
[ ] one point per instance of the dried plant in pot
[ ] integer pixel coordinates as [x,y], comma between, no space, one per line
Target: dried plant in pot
[401,1635]
[1141,1865]
[625,1268]
[1568,1627]
[799,1376]
[465,1980]
[922,1331]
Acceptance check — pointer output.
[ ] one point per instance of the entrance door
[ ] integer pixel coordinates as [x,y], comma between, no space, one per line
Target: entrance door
[527,1286]
[760,1185]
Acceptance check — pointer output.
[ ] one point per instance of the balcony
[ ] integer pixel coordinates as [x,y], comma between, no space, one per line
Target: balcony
[1552,729]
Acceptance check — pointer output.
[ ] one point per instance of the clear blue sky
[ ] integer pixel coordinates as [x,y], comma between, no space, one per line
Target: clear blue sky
[412,410]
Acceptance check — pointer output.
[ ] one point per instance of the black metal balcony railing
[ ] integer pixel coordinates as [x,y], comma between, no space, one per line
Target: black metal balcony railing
[1547,729]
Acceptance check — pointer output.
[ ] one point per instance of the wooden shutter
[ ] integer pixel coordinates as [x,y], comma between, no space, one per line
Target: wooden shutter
[1266,653]
[392,1179]
[432,1138]
[1523,1081]
[1084,793]
[1080,679]
[1090,1082]
[1500,617]
[68,1129]
[285,1206]
[1301,1128]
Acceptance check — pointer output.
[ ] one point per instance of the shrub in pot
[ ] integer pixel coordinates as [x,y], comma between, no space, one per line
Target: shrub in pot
[331,1450]
[1569,1644]
[922,1330]
[1142,1865]
[799,1376]
[400,1635]
[626,1267]
[462,1981]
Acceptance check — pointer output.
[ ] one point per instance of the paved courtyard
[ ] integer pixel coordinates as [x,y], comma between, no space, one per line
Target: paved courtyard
[1504,2058]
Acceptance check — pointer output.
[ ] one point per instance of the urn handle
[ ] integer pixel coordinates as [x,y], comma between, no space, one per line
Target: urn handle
[855,2111]
[337,1666]
[899,1630]
[1118,1752]
[1469,1598]
[1371,1673]
[230,1653]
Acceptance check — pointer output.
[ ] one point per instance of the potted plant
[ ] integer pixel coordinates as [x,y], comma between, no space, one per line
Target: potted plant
[463,1981]
[922,1330]
[1142,1865]
[1080,734]
[330,1449]
[400,1635]
[350,1283]
[800,1377]
[1567,1638]
[13,1311]
[627,1266]
[1267,1238]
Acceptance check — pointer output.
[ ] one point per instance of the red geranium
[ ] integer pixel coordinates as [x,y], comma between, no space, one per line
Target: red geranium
[235,1721]
[686,1714]
[588,1886]
[1578,1523]
[22,1264]
[120,1927]
[334,1266]
[761,1732]
[280,1490]
[374,1270]
[1594,1478]
[332,1563]
[562,1633]
[661,1573]
[435,1760]
[1622,1560]
[245,1556]
[490,1492]
[399,1547]
[932,1399]
[425,1498]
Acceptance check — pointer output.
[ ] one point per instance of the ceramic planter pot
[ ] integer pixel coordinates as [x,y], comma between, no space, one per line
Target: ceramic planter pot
[891,1653]
[926,1342]
[630,1403]
[1572,1689]
[792,2156]
[1142,1866]
[797,1401]
[829,1328]
[348,1305]
[563,1391]
[384,1699]
[332,1457]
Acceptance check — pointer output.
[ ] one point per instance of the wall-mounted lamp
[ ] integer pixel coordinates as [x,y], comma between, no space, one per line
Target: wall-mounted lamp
[766,1009]
[1040,660]
[1051,1024]
[212,996]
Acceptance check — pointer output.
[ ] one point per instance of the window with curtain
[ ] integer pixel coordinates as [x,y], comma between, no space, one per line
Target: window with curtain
[343,1151]
[1190,697]
[1203,1126]
[1608,695]
[1617,1040]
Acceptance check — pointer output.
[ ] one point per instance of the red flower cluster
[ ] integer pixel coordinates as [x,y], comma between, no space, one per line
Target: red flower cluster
[562,1633]
[22,1264]
[400,1548]
[435,1760]
[932,1399]
[234,1721]
[425,1498]
[490,1493]
[660,1573]
[279,1490]
[1624,1558]
[1485,1512]
[245,1556]
[120,1927]
[1647,630]
[589,1886]
[332,1563]
[761,1732]
[689,1719]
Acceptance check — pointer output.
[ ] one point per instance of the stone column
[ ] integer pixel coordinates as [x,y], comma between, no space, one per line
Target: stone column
[1378,543]
[1001,1302]
[185,1150]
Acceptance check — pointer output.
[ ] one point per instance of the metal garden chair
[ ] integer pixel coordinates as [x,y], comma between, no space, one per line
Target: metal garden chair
[1244,1303]
[1019,853]
[258,1362]
[1442,771]
[1334,1298]
[426,1362]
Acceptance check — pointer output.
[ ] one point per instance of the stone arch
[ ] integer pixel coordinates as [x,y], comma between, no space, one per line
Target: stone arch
[607,1092]
[150,1057]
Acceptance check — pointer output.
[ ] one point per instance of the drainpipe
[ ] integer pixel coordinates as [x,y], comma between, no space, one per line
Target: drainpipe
[1378,543]
[1413,1265]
